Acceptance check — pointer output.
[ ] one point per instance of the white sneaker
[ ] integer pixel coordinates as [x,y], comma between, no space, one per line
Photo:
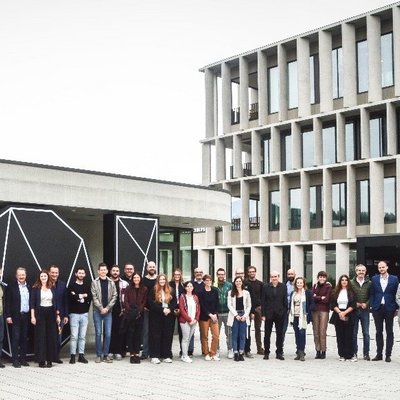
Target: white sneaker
[186,359]
[342,359]
[230,354]
[155,361]
[167,360]
[207,357]
[216,358]
[354,359]
[118,357]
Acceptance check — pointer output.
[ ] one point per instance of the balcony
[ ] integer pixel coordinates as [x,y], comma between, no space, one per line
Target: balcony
[235,116]
[253,112]
[235,224]
[247,169]
[254,222]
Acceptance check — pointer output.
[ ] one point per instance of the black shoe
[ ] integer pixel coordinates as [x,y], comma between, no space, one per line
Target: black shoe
[318,355]
[49,364]
[236,357]
[298,356]
[2,365]
[266,357]
[59,361]
[241,358]
[377,358]
[72,359]
[132,359]
[279,356]
[388,359]
[42,364]
[82,359]
[16,364]
[24,363]
[143,357]
[323,355]
[190,353]
[367,357]
[136,360]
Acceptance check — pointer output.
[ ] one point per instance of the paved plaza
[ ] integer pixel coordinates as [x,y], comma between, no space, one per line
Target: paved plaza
[254,378]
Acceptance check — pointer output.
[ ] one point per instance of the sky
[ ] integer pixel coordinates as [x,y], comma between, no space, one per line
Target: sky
[114,85]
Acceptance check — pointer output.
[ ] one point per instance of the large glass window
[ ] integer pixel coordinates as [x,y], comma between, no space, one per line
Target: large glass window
[293,98]
[389,199]
[362,201]
[254,218]
[307,137]
[329,144]
[286,151]
[295,208]
[377,136]
[185,249]
[330,262]
[316,201]
[337,73]
[352,139]
[362,66]
[236,212]
[314,79]
[274,208]
[339,204]
[273,90]
[267,155]
[387,59]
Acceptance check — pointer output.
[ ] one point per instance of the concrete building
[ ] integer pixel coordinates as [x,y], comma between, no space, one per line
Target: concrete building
[305,134]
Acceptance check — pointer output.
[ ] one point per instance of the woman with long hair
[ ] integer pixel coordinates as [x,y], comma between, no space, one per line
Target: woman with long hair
[45,317]
[189,308]
[135,299]
[162,303]
[342,305]
[239,305]
[300,314]
[176,283]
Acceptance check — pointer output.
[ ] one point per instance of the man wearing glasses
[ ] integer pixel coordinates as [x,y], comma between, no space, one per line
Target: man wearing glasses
[198,280]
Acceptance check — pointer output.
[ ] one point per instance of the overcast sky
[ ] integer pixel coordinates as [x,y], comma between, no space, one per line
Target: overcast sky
[113,85]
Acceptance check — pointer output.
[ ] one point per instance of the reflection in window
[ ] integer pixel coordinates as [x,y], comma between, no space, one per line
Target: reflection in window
[362,66]
[352,140]
[314,79]
[274,208]
[377,136]
[273,90]
[294,208]
[307,137]
[185,249]
[254,218]
[316,201]
[389,199]
[387,59]
[293,97]
[362,201]
[337,73]
[329,145]
[286,151]
[339,204]
[267,156]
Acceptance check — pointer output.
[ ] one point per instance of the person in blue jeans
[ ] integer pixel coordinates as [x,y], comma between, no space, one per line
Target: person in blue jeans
[104,294]
[239,305]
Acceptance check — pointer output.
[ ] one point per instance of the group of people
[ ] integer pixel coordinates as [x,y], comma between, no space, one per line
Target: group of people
[138,315]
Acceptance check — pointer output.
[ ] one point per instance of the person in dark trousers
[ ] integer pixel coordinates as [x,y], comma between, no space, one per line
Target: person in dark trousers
[2,307]
[274,306]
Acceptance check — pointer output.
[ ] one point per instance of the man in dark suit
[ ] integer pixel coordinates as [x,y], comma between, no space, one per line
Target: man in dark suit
[274,306]
[17,315]
[62,302]
[384,306]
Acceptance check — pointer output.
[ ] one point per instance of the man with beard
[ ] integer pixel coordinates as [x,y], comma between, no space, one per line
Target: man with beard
[118,338]
[290,277]
[129,270]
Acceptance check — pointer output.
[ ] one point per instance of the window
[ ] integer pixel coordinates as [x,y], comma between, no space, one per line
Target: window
[316,202]
[362,202]
[286,151]
[339,204]
[337,73]
[236,211]
[307,137]
[293,98]
[330,262]
[295,208]
[329,144]
[273,90]
[254,219]
[314,79]
[362,66]
[352,140]
[377,136]
[267,155]
[387,59]
[274,208]
[389,200]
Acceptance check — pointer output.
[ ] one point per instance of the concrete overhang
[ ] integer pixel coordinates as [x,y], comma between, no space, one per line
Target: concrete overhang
[80,194]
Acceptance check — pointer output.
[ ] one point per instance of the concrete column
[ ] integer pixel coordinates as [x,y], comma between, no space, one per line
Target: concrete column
[397,197]
[325,71]
[349,65]
[374,58]
[244,222]
[376,175]
[226,229]
[203,260]
[256,153]
[340,138]
[244,92]
[342,259]
[210,103]
[318,260]
[282,66]
[237,157]
[237,259]
[303,76]
[226,97]
[275,152]
[220,260]
[327,203]
[256,255]
[284,208]
[391,129]
[206,163]
[297,259]
[351,201]
[264,210]
[317,127]
[396,49]
[262,87]
[364,134]
[210,236]
[220,159]
[305,205]
[296,145]
[276,261]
